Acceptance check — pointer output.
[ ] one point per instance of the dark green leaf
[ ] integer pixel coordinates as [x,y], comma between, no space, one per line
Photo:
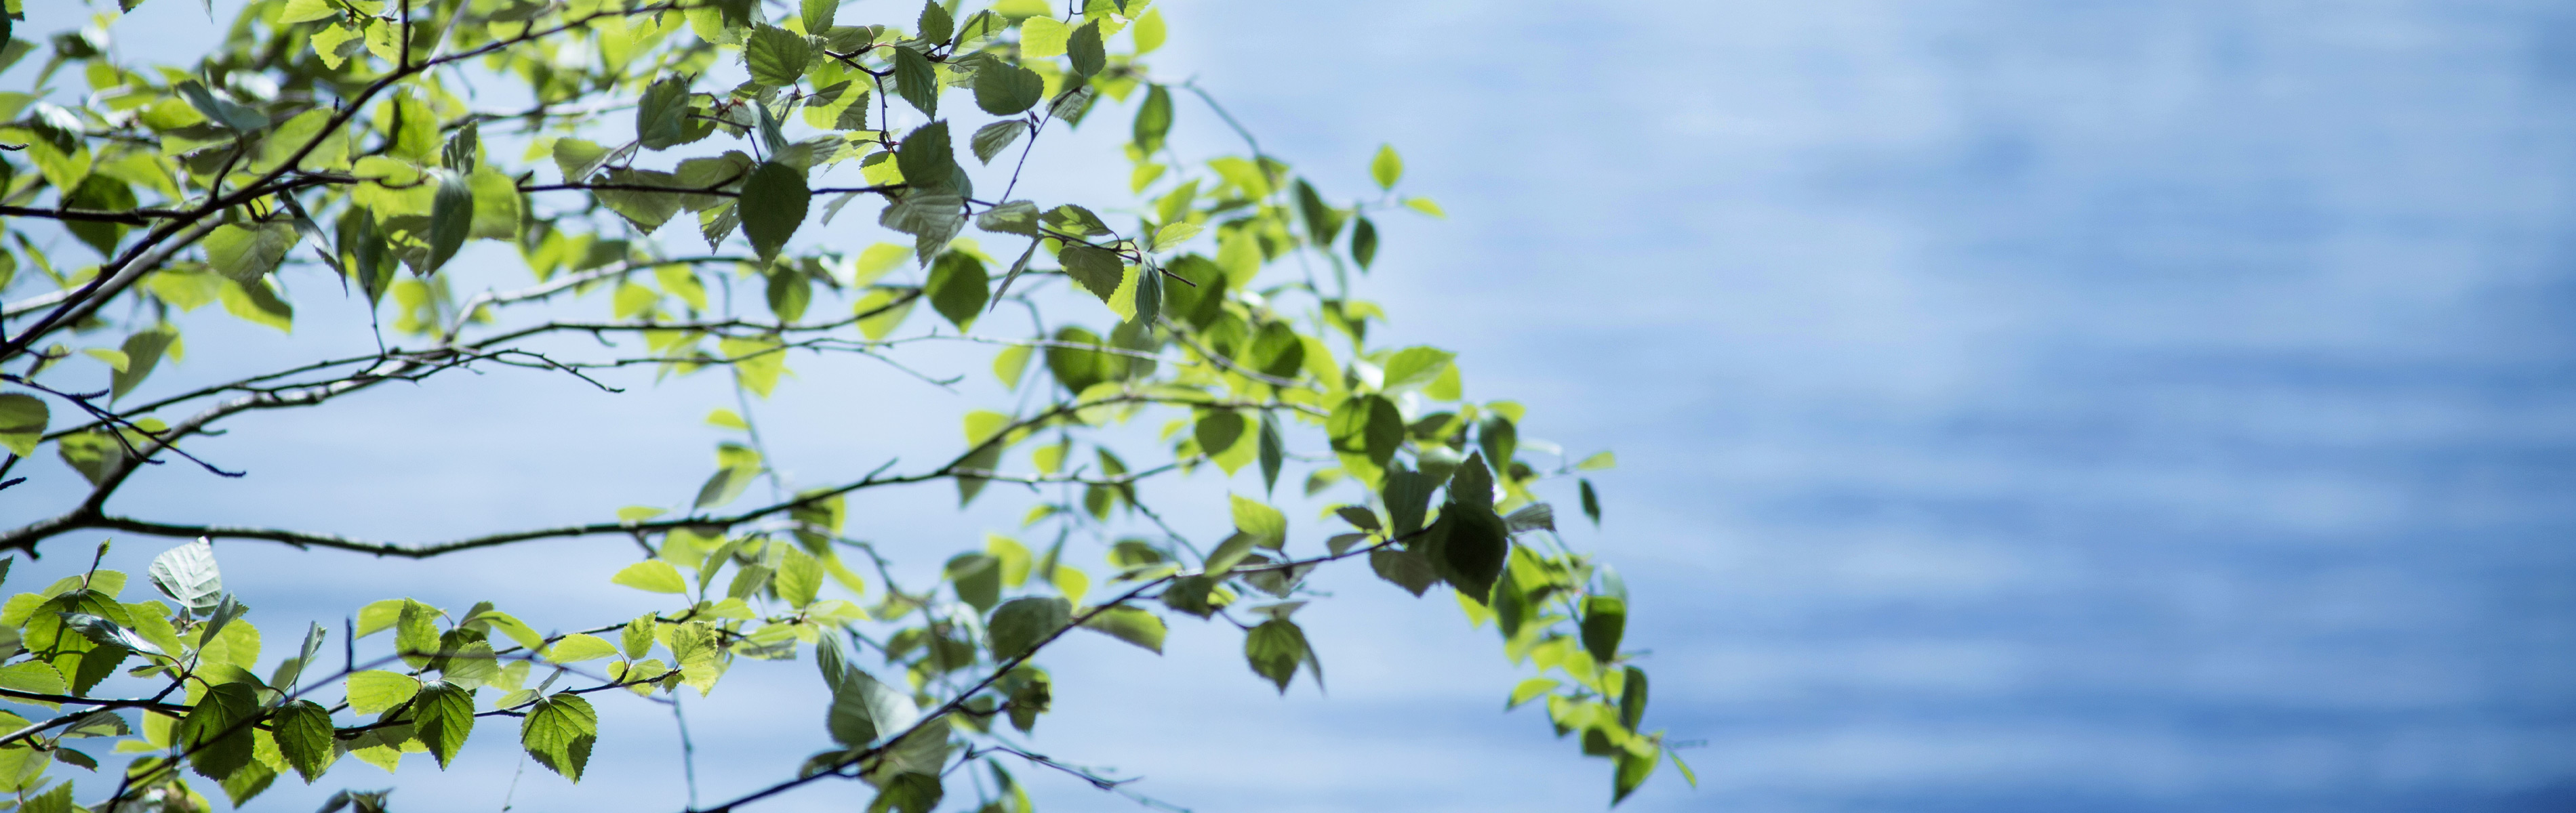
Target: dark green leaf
[661,115]
[991,139]
[463,150]
[444,715]
[1633,770]
[1591,502]
[1018,217]
[818,15]
[1273,452]
[1367,426]
[1500,441]
[1019,624]
[218,732]
[1275,648]
[1085,49]
[1472,552]
[1364,243]
[1007,90]
[909,792]
[864,708]
[917,82]
[935,25]
[559,732]
[1278,352]
[1230,552]
[932,219]
[1216,430]
[1097,270]
[978,579]
[927,159]
[1605,618]
[1153,120]
[243,784]
[303,732]
[142,352]
[789,294]
[1323,223]
[1189,594]
[1408,498]
[1532,517]
[1407,569]
[101,193]
[451,219]
[957,288]
[1077,369]
[773,204]
[776,56]
[1632,698]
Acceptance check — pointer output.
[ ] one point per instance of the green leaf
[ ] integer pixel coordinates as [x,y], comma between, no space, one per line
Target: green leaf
[773,204]
[1086,50]
[1415,367]
[1129,624]
[651,576]
[451,219]
[217,733]
[1007,90]
[1275,648]
[444,715]
[579,647]
[303,733]
[818,15]
[1230,552]
[989,141]
[775,56]
[1153,120]
[104,193]
[1174,234]
[800,578]
[639,635]
[187,574]
[226,112]
[1425,206]
[1260,521]
[34,676]
[1605,618]
[1530,690]
[1386,168]
[22,422]
[917,82]
[958,288]
[248,253]
[1019,624]
[559,732]
[375,690]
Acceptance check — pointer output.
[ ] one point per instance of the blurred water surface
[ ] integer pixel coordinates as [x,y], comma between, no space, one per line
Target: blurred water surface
[2022,406]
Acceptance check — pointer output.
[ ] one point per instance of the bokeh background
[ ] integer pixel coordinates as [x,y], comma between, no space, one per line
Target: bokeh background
[2022,406]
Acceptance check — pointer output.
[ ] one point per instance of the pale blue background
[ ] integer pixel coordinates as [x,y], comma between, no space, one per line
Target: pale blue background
[2022,405]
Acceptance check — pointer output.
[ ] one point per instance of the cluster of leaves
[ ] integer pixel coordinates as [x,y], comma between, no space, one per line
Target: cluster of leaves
[214,184]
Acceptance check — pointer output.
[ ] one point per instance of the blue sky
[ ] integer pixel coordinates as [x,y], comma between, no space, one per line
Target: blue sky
[2022,406]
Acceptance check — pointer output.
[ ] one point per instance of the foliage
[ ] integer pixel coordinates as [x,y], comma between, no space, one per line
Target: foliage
[329,138]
